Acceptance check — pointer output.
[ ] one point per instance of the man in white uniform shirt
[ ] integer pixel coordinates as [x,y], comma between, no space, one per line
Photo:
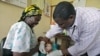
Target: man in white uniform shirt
[82,25]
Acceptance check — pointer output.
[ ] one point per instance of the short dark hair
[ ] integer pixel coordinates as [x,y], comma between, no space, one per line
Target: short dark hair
[63,10]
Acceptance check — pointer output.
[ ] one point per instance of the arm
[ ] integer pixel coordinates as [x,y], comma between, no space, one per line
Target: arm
[19,54]
[53,31]
[32,51]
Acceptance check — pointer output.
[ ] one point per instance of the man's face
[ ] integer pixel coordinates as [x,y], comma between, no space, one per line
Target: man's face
[65,24]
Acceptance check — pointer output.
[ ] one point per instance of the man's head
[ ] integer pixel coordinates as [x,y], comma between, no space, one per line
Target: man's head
[31,15]
[64,14]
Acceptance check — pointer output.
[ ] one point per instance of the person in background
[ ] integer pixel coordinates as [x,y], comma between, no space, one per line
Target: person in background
[82,25]
[21,39]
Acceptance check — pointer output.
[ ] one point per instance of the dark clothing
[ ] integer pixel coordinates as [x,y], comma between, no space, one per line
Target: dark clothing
[5,52]
[98,55]
[85,54]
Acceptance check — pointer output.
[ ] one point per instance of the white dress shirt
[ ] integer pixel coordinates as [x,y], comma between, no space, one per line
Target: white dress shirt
[85,32]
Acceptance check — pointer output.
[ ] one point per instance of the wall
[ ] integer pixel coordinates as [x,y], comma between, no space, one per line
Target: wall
[89,3]
[93,3]
[54,2]
[9,14]
[44,24]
